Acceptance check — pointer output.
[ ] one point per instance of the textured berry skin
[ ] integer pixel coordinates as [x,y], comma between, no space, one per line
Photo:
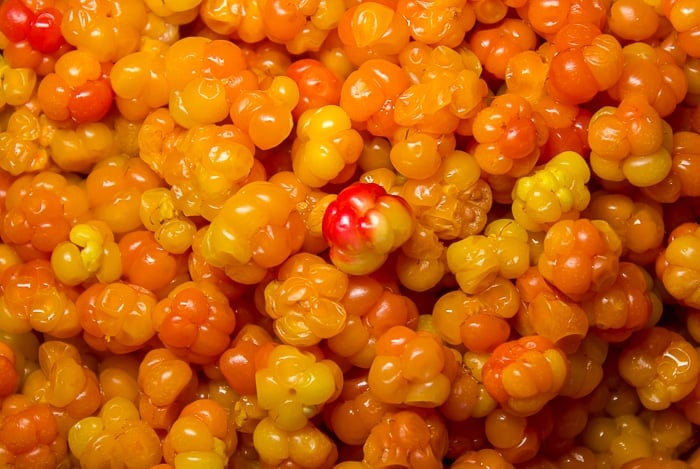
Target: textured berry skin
[523,375]
[374,110]
[630,304]
[28,290]
[372,308]
[90,253]
[501,251]
[666,381]
[195,321]
[394,375]
[675,265]
[326,148]
[318,85]
[585,62]
[683,17]
[29,434]
[547,312]
[646,64]
[305,300]
[258,228]
[95,440]
[116,316]
[308,445]
[363,225]
[580,256]
[166,384]
[21,149]
[630,142]
[478,321]
[509,135]
[639,224]
[203,434]
[420,449]
[83,100]
[295,393]
[7,365]
[39,212]
[555,192]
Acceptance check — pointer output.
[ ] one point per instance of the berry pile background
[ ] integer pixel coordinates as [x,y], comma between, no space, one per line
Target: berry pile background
[345,234]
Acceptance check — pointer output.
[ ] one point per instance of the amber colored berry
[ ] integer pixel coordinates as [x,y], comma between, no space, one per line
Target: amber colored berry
[356,411]
[10,382]
[40,210]
[666,84]
[628,305]
[585,62]
[675,266]
[305,300]
[630,142]
[639,224]
[411,367]
[372,308]
[368,95]
[195,321]
[661,365]
[326,147]
[239,362]
[494,46]
[203,435]
[78,90]
[258,228]
[580,256]
[372,29]
[524,374]
[107,437]
[509,135]
[318,85]
[146,263]
[683,16]
[478,321]
[502,250]
[409,438]
[115,186]
[64,382]
[29,435]
[545,311]
[307,447]
[633,20]
[34,299]
[294,386]
[116,316]
[167,384]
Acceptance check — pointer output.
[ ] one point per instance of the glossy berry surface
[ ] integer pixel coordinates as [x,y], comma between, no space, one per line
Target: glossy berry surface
[363,225]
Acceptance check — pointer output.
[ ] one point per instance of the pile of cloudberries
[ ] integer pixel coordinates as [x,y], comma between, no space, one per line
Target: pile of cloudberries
[349,234]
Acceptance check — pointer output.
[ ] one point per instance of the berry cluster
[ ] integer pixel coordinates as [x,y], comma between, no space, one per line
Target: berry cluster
[330,234]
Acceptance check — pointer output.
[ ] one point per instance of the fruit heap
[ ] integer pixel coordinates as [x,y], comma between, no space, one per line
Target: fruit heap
[349,234]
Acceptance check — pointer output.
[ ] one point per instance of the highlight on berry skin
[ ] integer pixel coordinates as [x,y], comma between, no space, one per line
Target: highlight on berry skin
[363,225]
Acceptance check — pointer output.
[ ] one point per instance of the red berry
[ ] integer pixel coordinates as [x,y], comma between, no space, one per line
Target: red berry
[45,32]
[363,225]
[15,20]
[91,101]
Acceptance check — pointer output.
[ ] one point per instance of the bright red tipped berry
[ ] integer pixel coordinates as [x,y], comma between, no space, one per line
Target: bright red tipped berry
[363,225]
